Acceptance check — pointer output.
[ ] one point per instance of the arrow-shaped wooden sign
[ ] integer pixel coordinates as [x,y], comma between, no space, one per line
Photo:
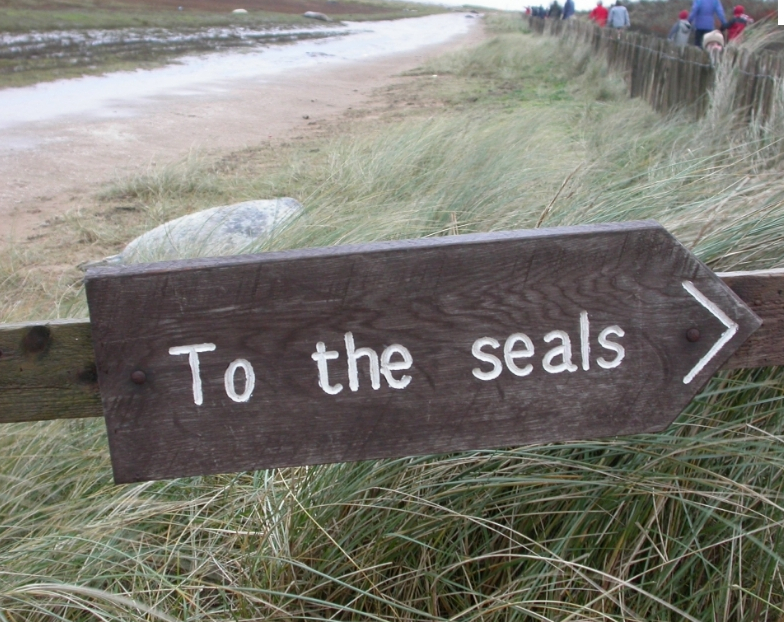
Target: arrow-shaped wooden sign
[404,348]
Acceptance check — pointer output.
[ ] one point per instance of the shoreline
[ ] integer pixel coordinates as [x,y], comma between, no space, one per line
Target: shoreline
[58,166]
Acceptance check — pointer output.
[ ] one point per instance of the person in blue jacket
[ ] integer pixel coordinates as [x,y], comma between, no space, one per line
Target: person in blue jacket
[701,18]
[568,10]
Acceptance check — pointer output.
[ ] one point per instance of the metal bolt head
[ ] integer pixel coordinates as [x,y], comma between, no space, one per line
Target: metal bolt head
[693,334]
[138,377]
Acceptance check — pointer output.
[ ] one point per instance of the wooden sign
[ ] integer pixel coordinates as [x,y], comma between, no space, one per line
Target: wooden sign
[404,348]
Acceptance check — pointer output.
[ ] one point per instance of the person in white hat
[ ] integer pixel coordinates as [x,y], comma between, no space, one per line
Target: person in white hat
[714,40]
[713,44]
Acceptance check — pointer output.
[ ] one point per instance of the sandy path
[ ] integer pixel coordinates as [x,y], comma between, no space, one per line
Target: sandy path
[68,161]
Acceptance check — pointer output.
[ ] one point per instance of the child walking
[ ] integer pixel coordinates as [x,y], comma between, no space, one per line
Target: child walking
[679,33]
[738,23]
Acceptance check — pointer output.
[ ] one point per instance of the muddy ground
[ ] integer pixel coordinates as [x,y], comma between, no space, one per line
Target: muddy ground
[65,39]
[74,160]
[294,7]
[216,6]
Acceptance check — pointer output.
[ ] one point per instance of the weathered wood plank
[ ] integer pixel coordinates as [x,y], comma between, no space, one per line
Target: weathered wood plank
[404,348]
[60,383]
[47,371]
[763,291]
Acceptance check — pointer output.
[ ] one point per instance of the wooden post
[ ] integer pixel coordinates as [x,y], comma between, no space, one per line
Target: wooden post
[750,80]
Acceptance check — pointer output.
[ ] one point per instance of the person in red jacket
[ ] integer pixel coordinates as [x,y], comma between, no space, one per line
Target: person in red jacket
[736,25]
[598,14]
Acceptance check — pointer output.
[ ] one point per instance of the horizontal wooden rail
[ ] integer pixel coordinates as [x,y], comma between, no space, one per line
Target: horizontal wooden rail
[763,292]
[47,369]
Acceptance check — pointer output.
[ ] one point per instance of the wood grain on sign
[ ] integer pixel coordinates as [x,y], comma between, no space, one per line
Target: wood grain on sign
[482,341]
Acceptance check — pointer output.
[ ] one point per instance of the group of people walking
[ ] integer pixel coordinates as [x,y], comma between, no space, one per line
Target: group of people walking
[616,17]
[556,11]
[699,21]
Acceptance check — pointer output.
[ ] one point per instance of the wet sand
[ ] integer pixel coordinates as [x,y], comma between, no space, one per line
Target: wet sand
[51,167]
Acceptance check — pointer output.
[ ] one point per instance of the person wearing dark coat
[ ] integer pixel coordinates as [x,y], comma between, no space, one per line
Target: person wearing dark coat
[555,10]
[568,9]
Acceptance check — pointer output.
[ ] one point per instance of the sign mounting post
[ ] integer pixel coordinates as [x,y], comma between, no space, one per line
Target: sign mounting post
[404,348]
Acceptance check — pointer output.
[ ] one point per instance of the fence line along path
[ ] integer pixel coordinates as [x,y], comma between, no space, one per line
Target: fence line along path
[670,77]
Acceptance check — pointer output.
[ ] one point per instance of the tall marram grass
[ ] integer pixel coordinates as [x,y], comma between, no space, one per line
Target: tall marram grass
[682,525]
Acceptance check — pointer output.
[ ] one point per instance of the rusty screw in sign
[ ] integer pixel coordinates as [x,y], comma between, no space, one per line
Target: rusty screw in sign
[693,334]
[139,377]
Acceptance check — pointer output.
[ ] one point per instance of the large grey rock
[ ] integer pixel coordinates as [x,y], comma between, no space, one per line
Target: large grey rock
[315,15]
[225,230]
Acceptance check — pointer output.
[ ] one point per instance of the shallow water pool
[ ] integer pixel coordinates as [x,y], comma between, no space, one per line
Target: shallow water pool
[119,94]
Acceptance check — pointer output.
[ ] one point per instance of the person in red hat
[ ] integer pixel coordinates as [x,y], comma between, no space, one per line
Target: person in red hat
[599,14]
[679,33]
[738,23]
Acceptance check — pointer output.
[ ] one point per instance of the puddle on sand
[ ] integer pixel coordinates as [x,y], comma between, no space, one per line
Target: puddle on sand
[65,42]
[119,94]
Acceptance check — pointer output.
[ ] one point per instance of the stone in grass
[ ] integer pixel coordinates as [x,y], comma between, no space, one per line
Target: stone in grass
[224,230]
[315,15]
